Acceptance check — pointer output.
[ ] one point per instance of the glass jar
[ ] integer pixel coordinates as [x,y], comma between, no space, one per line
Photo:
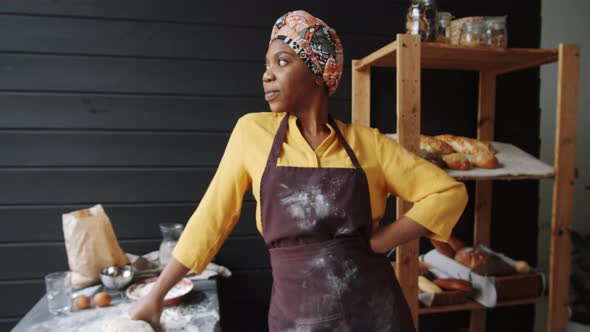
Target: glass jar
[472,34]
[421,19]
[170,234]
[443,27]
[495,32]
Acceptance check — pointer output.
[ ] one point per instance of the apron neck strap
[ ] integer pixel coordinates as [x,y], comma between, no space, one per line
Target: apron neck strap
[282,132]
[344,143]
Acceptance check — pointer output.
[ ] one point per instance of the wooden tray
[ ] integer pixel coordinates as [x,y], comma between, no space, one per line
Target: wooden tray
[519,286]
[448,298]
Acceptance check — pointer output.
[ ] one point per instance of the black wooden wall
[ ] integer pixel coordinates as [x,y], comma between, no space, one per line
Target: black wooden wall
[130,103]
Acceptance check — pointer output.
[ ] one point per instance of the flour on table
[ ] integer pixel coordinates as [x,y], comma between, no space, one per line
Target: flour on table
[126,324]
[176,291]
[184,317]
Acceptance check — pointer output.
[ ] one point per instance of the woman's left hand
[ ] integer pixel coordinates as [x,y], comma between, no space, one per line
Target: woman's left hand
[385,238]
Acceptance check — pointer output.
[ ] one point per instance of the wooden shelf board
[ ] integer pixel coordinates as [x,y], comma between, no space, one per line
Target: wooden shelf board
[445,56]
[472,305]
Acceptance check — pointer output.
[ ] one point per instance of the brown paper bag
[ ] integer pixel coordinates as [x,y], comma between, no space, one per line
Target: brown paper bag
[91,245]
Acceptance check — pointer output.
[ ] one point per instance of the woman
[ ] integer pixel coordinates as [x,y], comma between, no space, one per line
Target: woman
[321,187]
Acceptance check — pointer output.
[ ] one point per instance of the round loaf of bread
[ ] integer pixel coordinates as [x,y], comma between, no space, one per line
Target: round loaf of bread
[472,258]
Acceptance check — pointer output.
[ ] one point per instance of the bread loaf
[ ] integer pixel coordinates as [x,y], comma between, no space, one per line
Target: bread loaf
[427,286]
[433,158]
[456,244]
[456,161]
[471,257]
[443,248]
[483,263]
[484,160]
[466,145]
[435,146]
[454,284]
[447,150]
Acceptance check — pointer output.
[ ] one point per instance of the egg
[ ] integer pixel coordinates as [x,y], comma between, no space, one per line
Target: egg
[102,299]
[82,302]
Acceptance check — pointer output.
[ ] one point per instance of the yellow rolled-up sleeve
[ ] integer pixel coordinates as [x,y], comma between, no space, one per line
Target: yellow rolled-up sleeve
[438,199]
[219,209]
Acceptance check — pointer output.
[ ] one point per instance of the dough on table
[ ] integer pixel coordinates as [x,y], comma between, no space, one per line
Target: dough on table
[126,324]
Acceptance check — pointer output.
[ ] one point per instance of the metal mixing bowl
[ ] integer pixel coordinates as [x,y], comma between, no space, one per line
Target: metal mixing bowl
[117,277]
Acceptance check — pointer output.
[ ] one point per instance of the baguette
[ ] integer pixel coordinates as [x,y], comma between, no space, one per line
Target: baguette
[467,145]
[456,161]
[433,158]
[427,286]
[484,160]
[435,146]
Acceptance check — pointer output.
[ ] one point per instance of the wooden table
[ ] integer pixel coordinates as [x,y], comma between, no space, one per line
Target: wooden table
[200,309]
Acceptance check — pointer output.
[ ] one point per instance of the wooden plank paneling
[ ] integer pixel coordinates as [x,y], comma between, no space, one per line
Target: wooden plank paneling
[82,148]
[67,35]
[71,186]
[21,296]
[124,75]
[34,260]
[7,324]
[79,111]
[224,12]
[130,38]
[120,112]
[44,223]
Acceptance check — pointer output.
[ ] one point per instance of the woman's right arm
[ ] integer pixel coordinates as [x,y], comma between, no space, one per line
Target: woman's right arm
[150,307]
[208,227]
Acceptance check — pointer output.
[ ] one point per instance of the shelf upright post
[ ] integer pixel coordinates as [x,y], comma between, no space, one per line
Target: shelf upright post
[563,185]
[408,130]
[483,188]
[361,94]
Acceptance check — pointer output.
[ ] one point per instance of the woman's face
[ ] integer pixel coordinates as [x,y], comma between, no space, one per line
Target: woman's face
[288,82]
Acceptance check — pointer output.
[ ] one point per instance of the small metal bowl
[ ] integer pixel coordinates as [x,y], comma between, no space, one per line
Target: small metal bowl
[117,277]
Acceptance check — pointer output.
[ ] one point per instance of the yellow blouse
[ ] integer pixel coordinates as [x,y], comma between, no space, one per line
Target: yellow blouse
[438,199]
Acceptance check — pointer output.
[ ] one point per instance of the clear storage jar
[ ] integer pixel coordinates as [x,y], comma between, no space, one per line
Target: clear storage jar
[495,32]
[421,19]
[472,34]
[443,27]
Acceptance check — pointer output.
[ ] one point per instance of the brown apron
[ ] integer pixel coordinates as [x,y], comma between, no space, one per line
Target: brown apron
[316,224]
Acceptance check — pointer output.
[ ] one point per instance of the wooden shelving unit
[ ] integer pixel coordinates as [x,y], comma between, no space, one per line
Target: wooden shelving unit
[472,305]
[409,55]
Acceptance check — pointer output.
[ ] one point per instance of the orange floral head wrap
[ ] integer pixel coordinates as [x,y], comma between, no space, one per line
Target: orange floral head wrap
[315,42]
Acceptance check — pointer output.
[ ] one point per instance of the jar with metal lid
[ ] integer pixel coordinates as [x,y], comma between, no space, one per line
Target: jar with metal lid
[495,32]
[421,19]
[472,34]
[443,27]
